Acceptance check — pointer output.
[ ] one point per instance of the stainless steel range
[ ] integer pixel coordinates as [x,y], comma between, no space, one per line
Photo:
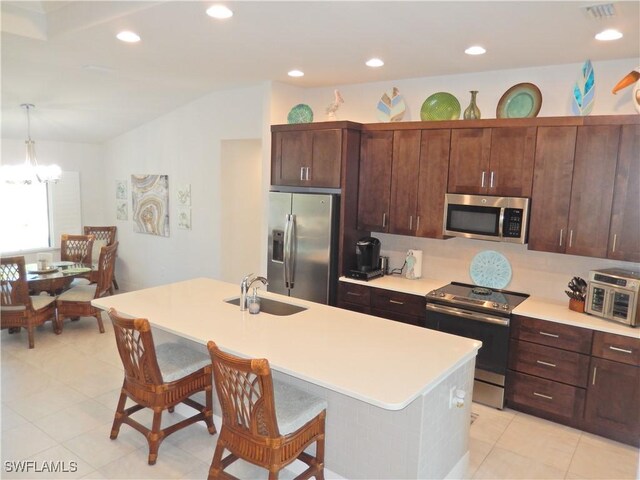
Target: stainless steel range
[482,314]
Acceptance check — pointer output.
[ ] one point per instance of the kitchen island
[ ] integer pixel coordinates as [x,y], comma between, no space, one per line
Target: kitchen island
[388,385]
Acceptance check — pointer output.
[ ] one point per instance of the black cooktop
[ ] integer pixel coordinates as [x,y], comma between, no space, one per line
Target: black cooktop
[465,295]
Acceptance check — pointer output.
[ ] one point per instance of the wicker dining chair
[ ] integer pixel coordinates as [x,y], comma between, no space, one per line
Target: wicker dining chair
[76,302]
[76,248]
[18,309]
[104,236]
[266,423]
[159,378]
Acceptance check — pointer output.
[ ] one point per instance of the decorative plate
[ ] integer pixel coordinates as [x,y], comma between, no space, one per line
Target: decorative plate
[584,91]
[490,269]
[520,101]
[46,270]
[63,263]
[440,106]
[391,108]
[301,113]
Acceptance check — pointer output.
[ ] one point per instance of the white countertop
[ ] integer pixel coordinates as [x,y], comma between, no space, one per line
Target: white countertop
[558,311]
[535,307]
[381,362]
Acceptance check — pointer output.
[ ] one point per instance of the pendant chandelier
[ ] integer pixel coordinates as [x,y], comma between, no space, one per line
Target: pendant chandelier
[30,171]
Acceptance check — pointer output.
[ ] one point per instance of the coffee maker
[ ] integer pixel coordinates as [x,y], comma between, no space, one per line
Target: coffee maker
[367,259]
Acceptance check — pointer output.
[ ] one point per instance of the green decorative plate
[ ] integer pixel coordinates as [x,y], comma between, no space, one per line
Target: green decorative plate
[301,113]
[440,106]
[520,101]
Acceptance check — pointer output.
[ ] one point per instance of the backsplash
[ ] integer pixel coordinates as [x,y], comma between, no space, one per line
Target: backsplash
[536,273]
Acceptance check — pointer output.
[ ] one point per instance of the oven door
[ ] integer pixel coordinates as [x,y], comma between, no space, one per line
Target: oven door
[491,330]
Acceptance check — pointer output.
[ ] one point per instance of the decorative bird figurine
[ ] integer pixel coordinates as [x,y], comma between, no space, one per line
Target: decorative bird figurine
[629,79]
[333,107]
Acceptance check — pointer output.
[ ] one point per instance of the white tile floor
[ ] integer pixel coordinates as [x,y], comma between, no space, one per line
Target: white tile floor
[58,402]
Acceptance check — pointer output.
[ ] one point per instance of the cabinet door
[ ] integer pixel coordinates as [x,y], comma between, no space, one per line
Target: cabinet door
[469,161]
[432,182]
[374,190]
[326,155]
[592,190]
[613,396]
[624,235]
[551,195]
[292,153]
[404,182]
[511,164]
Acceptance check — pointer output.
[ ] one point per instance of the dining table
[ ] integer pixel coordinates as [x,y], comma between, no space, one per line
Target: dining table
[55,278]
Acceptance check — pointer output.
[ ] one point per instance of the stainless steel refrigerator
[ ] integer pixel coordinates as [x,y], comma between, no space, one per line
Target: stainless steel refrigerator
[303,241]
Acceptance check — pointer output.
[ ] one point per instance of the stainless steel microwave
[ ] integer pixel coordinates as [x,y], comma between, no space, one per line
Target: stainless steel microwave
[499,219]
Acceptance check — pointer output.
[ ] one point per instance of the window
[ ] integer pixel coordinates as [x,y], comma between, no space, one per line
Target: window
[34,216]
[24,210]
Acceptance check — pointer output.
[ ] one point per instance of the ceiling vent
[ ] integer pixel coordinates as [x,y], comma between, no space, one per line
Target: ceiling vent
[598,12]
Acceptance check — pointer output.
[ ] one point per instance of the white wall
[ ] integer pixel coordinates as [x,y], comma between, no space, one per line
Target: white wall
[555,83]
[185,145]
[85,158]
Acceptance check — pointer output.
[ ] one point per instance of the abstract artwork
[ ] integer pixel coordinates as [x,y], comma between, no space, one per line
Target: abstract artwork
[584,91]
[122,210]
[183,195]
[184,218]
[122,190]
[150,204]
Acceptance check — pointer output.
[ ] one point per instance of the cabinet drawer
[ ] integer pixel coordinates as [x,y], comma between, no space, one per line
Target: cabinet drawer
[545,398]
[354,293]
[552,334]
[399,317]
[398,302]
[548,362]
[617,348]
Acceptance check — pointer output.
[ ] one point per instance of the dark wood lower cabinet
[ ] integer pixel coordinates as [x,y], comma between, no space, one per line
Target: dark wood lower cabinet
[612,409]
[545,398]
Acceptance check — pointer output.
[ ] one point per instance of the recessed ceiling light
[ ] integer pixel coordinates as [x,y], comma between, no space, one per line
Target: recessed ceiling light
[374,62]
[610,34]
[296,73]
[475,50]
[128,37]
[219,11]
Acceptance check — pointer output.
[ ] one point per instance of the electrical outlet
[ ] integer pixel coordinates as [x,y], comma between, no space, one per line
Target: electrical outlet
[452,397]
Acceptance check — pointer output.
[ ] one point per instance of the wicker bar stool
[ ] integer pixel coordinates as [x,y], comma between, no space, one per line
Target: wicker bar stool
[265,423]
[159,379]
[18,309]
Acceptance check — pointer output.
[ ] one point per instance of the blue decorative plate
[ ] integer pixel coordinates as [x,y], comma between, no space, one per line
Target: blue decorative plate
[301,113]
[490,269]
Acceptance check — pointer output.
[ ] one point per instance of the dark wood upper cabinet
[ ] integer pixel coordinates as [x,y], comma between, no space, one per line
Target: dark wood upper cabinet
[594,173]
[551,195]
[432,186]
[374,188]
[309,158]
[492,161]
[511,164]
[469,160]
[624,233]
[404,182]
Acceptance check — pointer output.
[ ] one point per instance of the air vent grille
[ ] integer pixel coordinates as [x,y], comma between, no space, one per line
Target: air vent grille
[605,10]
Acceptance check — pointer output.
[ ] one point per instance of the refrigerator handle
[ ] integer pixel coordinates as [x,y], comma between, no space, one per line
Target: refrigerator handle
[291,255]
[289,232]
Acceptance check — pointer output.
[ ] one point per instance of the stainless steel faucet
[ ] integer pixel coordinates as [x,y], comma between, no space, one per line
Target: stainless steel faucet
[245,285]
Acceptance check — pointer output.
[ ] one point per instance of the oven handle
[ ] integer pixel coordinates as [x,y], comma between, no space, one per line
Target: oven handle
[479,317]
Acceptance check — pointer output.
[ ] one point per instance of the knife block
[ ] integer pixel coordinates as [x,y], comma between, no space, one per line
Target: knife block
[576,305]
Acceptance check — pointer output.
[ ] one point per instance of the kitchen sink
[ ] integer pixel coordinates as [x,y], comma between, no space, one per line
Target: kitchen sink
[273,307]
